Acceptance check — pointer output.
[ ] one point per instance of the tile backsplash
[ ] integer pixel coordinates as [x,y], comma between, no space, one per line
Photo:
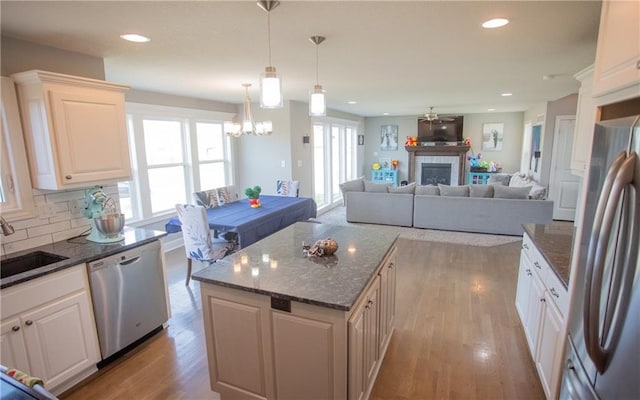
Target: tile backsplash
[59,217]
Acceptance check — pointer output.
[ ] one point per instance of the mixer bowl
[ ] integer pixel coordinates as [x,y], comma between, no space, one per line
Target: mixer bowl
[110,225]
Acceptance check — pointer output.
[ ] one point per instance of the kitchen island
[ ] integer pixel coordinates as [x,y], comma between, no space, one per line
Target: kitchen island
[281,325]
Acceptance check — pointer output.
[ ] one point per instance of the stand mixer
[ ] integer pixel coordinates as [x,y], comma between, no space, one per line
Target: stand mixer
[98,206]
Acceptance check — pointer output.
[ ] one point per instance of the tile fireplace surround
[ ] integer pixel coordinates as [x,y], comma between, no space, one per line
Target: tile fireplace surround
[455,155]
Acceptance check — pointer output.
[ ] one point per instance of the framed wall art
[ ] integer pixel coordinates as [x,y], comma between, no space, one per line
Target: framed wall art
[492,135]
[389,137]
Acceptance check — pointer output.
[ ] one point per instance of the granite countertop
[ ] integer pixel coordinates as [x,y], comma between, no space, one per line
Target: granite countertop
[276,266]
[79,251]
[554,241]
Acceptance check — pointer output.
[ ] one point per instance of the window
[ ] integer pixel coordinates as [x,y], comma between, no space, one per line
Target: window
[334,160]
[175,152]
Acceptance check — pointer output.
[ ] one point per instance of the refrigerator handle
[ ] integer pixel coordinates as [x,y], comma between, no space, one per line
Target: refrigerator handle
[593,240]
[599,355]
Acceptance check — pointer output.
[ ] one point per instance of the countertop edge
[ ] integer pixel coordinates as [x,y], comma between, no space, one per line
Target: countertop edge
[544,251]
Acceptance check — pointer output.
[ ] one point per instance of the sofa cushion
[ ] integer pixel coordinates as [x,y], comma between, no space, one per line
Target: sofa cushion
[356,185]
[372,187]
[410,188]
[499,179]
[507,192]
[427,190]
[453,191]
[481,191]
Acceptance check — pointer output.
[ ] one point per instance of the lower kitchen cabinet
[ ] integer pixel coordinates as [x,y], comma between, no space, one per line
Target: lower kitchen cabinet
[541,302]
[48,328]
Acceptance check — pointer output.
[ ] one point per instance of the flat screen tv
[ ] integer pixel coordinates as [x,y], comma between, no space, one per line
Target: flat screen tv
[443,129]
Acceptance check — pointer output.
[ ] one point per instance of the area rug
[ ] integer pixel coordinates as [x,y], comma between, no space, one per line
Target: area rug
[337,216]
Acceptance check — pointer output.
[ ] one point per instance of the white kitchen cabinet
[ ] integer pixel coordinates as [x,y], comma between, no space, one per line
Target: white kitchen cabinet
[75,130]
[585,123]
[364,345]
[542,302]
[617,65]
[51,320]
[387,301]
[549,347]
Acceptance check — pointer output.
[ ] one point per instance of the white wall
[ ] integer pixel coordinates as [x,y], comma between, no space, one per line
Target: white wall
[508,157]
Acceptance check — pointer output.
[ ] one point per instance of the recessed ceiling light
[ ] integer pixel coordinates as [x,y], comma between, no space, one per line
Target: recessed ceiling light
[352,102]
[491,109]
[385,113]
[134,37]
[506,94]
[495,23]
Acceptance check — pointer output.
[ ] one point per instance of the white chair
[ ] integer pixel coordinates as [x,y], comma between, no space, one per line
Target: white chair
[197,237]
[287,188]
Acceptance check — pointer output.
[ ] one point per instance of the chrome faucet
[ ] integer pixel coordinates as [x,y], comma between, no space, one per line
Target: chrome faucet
[7,228]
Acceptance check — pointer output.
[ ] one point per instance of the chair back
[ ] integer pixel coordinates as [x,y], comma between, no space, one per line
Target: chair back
[195,231]
[287,188]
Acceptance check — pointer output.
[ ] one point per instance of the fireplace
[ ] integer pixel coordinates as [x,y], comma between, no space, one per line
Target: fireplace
[452,155]
[435,173]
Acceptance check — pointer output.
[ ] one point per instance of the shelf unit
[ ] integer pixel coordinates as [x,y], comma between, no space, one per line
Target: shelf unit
[385,176]
[479,178]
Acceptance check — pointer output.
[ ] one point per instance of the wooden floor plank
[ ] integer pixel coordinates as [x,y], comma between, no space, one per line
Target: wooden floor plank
[457,334]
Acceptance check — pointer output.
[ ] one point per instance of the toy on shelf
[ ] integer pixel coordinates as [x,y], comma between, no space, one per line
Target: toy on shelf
[411,141]
[467,141]
[394,164]
[376,166]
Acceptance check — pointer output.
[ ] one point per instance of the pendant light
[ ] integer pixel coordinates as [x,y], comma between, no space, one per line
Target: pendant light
[317,100]
[248,126]
[270,83]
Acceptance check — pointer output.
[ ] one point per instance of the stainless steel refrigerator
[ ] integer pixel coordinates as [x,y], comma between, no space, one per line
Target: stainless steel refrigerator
[602,359]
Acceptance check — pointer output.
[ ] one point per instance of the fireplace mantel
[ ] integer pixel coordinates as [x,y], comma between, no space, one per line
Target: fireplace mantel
[459,151]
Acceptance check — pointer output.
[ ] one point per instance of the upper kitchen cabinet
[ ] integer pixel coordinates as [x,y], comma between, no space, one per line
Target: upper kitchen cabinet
[585,122]
[74,129]
[617,66]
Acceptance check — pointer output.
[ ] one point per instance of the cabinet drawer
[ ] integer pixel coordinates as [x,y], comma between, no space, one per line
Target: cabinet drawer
[558,293]
[537,261]
[22,297]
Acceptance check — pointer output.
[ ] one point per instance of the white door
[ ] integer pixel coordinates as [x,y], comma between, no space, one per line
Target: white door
[563,185]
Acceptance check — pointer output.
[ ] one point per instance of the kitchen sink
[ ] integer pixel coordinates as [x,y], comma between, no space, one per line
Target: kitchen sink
[27,262]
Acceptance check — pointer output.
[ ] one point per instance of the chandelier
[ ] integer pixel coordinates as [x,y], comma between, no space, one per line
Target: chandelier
[248,126]
[270,83]
[431,116]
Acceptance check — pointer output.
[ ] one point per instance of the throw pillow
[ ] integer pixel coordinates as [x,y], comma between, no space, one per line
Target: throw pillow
[206,198]
[427,190]
[538,192]
[223,195]
[453,191]
[519,180]
[410,188]
[507,192]
[376,187]
[481,191]
[500,179]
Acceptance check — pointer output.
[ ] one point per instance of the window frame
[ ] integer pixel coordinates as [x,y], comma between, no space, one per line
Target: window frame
[139,191]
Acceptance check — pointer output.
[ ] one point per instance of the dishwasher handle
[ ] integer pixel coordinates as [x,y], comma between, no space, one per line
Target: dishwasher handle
[130,261]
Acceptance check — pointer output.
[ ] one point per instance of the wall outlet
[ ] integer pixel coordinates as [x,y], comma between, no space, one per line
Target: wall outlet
[283,163]
[75,206]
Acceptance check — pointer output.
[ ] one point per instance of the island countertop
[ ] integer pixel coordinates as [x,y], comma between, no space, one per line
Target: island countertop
[276,265]
[554,241]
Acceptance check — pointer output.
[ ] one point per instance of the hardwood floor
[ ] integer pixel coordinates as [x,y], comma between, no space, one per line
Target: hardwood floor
[457,334]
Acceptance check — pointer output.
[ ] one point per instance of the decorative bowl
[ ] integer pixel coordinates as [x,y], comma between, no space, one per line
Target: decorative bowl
[111,224]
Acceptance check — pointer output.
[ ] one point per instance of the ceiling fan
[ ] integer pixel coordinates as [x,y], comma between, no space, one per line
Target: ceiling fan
[432,116]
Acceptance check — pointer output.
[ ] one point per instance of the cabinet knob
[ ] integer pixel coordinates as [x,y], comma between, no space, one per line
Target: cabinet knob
[525,246]
[528,272]
[28,322]
[15,328]
[537,265]
[638,65]
[543,300]
[391,266]
[554,292]
[68,177]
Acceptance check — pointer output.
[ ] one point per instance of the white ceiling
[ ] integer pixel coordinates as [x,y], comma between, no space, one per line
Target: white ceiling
[390,56]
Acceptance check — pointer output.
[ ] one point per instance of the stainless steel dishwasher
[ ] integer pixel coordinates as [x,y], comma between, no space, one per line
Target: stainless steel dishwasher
[128,292]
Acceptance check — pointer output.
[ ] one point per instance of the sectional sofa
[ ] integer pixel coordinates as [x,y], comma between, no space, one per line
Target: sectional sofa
[495,209]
